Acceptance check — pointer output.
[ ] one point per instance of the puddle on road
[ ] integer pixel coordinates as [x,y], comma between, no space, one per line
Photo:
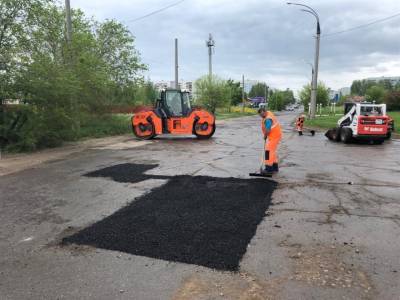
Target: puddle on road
[200,220]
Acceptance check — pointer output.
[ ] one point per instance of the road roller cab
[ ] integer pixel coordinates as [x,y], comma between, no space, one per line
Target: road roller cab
[173,114]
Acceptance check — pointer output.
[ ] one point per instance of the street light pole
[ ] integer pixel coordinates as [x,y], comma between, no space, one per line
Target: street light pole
[316,58]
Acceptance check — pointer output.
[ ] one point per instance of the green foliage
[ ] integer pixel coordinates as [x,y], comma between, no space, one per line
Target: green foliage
[381,92]
[236,91]
[146,93]
[258,90]
[61,84]
[278,100]
[392,100]
[322,94]
[375,93]
[212,92]
[360,87]
[95,126]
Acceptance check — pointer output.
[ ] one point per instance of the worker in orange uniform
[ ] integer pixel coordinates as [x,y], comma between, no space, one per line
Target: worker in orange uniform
[272,135]
[300,123]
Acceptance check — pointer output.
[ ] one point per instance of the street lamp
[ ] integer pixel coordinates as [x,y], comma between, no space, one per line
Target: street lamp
[315,73]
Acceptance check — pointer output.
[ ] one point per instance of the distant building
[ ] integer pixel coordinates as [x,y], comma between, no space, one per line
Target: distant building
[183,85]
[161,85]
[393,80]
[334,95]
[344,91]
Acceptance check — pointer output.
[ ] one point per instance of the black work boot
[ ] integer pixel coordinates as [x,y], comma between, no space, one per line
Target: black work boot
[300,132]
[275,167]
[268,170]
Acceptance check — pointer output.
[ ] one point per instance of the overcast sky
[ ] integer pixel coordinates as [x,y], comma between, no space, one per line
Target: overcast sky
[265,40]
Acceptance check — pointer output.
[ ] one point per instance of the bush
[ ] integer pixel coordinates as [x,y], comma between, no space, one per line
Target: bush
[392,100]
[322,94]
[212,92]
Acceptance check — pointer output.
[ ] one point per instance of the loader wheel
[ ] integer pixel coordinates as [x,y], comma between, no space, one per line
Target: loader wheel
[336,134]
[345,135]
[389,135]
[144,131]
[203,130]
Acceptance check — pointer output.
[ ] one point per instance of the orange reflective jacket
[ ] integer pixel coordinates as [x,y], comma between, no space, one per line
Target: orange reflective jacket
[275,132]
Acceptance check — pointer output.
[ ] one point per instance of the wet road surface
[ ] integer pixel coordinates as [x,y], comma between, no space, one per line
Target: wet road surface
[322,238]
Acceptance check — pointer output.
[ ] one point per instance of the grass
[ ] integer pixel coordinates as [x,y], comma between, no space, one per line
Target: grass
[107,125]
[234,112]
[396,117]
[330,121]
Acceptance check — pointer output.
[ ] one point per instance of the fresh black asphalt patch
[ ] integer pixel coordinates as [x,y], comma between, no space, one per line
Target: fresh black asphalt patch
[127,172]
[198,220]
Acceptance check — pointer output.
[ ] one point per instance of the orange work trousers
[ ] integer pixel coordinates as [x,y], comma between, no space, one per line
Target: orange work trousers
[270,154]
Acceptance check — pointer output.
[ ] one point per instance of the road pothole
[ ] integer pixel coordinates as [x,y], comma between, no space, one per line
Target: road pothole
[324,266]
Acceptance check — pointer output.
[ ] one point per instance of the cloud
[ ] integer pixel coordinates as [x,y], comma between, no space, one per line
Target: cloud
[265,40]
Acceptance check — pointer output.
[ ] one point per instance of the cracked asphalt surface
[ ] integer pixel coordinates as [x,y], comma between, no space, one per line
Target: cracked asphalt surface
[321,238]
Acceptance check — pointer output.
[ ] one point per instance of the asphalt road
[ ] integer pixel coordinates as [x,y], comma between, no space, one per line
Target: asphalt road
[321,239]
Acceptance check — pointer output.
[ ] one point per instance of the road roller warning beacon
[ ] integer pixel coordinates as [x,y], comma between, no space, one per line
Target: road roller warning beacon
[173,114]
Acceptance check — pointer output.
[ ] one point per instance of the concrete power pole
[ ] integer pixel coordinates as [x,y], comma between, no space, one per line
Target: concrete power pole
[314,85]
[176,65]
[265,92]
[210,44]
[315,74]
[243,102]
[68,21]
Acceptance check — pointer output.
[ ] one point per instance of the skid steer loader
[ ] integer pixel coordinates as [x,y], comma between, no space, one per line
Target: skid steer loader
[361,121]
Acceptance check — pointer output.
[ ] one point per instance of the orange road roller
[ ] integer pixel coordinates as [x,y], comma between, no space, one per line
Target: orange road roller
[173,114]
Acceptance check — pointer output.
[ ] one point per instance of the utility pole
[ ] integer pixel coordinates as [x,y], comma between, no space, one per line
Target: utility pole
[265,92]
[176,64]
[68,21]
[210,44]
[315,73]
[313,102]
[243,102]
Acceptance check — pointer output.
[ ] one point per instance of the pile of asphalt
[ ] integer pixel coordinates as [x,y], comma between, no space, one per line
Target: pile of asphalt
[198,220]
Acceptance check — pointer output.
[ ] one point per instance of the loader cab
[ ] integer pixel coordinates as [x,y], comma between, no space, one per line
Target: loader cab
[348,106]
[174,103]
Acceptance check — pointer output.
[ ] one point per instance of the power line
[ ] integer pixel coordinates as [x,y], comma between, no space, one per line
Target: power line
[363,25]
[157,11]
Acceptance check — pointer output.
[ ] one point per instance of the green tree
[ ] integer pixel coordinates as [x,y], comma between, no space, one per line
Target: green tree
[375,93]
[146,93]
[322,94]
[276,101]
[61,84]
[258,90]
[392,100]
[356,87]
[235,91]
[212,92]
